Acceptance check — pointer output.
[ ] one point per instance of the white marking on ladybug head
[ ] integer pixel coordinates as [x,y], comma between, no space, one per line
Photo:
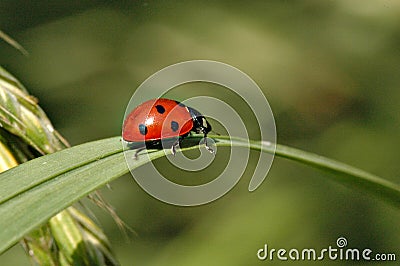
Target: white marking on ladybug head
[204,121]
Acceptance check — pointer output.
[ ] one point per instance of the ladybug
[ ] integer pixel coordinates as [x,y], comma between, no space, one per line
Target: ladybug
[163,122]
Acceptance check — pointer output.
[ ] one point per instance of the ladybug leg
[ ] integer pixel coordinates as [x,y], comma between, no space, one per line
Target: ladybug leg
[175,145]
[137,152]
[173,150]
[206,143]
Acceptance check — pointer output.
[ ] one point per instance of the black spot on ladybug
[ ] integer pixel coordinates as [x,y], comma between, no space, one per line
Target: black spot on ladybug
[142,129]
[180,104]
[174,126]
[160,109]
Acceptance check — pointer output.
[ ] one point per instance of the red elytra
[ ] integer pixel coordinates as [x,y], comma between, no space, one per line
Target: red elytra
[159,119]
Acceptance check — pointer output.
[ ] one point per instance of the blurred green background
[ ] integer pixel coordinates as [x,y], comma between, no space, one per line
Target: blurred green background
[330,70]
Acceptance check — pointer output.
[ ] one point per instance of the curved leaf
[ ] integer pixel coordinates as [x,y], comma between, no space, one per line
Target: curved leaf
[33,192]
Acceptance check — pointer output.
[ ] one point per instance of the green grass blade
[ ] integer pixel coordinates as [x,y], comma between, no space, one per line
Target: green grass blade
[23,124]
[50,166]
[345,174]
[35,191]
[13,43]
[342,173]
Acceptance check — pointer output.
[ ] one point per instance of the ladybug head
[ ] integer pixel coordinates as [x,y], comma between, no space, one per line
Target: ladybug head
[200,123]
